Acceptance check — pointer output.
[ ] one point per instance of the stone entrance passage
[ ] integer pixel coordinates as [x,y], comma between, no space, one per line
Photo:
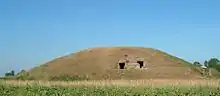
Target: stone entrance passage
[122,65]
[141,63]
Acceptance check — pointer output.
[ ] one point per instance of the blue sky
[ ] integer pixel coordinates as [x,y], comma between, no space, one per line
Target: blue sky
[33,32]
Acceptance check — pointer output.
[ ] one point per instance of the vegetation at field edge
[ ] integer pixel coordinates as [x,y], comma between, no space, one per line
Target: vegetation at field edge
[37,90]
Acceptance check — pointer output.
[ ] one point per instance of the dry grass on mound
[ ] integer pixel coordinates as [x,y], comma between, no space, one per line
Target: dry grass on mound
[150,82]
[86,62]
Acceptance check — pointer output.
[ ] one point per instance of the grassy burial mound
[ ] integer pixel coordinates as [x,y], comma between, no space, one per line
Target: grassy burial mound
[116,63]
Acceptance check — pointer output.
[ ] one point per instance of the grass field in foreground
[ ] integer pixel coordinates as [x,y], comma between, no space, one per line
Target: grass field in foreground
[111,88]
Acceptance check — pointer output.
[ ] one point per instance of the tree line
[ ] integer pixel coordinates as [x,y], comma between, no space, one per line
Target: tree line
[12,73]
[211,63]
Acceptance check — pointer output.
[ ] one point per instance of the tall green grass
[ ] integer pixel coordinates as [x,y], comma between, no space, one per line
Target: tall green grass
[38,90]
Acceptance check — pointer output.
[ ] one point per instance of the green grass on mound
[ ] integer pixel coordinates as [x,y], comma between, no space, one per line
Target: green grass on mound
[37,90]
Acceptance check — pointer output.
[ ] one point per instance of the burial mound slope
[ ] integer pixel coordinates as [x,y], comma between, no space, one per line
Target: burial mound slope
[117,63]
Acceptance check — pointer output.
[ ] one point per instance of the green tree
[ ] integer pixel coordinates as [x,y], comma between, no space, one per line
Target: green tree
[214,63]
[7,74]
[21,72]
[196,63]
[12,73]
[206,63]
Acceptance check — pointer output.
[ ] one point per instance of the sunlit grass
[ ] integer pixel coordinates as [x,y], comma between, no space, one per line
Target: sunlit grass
[159,87]
[149,82]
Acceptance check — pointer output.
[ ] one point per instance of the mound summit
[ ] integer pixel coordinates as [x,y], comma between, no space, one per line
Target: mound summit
[117,63]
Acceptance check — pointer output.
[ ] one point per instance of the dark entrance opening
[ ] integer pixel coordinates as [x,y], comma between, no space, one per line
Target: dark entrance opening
[122,65]
[141,63]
